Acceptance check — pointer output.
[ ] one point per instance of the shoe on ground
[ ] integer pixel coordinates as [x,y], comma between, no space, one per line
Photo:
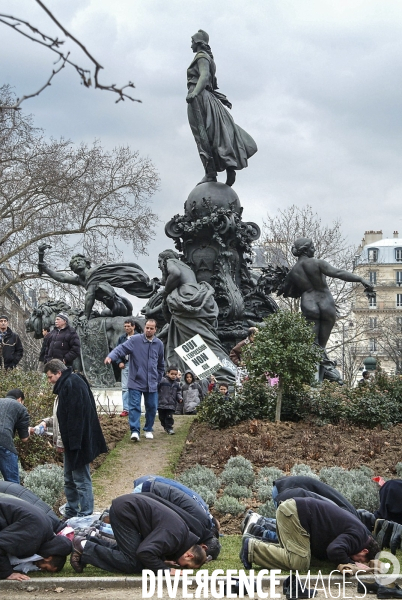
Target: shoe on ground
[251,517]
[170,431]
[364,587]
[124,413]
[255,530]
[243,555]
[386,592]
[76,555]
[135,436]
[149,435]
[384,536]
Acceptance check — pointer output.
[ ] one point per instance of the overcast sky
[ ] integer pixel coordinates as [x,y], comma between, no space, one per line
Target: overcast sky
[317,83]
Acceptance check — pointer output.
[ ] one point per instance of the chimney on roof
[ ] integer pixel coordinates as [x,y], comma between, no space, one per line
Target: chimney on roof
[371,237]
[396,234]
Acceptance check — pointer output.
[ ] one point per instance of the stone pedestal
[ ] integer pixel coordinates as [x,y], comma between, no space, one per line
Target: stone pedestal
[110,400]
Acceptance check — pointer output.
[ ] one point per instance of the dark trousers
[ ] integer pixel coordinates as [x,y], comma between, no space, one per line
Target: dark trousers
[166,417]
[117,559]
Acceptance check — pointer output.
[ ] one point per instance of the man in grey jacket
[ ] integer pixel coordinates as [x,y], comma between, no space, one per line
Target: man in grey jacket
[13,417]
[146,369]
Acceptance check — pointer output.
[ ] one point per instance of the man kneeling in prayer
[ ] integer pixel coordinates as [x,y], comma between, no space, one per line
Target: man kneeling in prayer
[148,535]
[309,527]
[26,530]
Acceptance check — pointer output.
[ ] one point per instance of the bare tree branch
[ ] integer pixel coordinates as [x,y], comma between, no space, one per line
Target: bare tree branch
[73,197]
[54,45]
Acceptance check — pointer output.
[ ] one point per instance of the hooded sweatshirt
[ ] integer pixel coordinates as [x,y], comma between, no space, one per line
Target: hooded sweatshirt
[192,394]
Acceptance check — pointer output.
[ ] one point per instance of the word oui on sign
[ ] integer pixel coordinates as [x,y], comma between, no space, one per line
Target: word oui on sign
[198,357]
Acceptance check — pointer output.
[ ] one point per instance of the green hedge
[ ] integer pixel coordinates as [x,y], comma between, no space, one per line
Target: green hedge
[39,400]
[376,403]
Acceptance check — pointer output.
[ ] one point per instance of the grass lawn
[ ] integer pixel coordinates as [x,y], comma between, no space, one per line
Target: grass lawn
[228,559]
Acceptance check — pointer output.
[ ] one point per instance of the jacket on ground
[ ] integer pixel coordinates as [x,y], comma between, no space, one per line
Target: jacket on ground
[165,534]
[11,350]
[78,420]
[169,393]
[63,344]
[147,365]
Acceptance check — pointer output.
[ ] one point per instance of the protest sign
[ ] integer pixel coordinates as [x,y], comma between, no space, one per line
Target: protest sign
[198,357]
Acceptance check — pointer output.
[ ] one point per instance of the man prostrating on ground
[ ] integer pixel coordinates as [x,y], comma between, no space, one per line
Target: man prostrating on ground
[148,535]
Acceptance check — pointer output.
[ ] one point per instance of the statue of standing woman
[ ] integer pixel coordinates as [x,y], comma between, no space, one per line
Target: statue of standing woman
[222,145]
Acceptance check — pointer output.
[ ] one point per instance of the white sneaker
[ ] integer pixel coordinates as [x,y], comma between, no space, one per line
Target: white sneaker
[149,435]
[135,437]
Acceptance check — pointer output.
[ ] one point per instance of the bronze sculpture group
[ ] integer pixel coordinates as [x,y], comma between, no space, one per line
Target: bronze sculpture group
[209,288]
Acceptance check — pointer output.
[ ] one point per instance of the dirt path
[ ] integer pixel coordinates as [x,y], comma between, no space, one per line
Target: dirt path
[130,460]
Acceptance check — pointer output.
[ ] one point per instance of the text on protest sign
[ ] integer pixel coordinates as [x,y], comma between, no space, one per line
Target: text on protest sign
[198,356]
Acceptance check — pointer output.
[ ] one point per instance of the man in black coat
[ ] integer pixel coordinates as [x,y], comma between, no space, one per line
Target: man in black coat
[63,342]
[149,535]
[191,512]
[308,527]
[80,433]
[26,530]
[11,350]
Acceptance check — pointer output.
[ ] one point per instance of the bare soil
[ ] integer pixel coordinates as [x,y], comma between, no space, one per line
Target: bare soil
[285,444]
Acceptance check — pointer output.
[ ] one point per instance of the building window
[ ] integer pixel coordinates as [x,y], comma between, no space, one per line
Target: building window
[373,254]
[373,277]
[398,278]
[398,254]
[373,345]
[373,322]
[373,301]
[399,323]
[399,300]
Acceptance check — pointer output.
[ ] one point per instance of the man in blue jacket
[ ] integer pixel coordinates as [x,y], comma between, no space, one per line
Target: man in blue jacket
[146,369]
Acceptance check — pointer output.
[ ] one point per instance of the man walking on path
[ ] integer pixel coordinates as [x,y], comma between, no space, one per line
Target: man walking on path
[146,369]
[63,342]
[78,435]
[123,363]
[11,349]
[13,417]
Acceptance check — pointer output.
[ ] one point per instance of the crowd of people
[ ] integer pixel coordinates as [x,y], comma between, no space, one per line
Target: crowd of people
[162,524]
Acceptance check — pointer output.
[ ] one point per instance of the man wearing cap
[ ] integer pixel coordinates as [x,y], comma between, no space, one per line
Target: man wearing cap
[11,349]
[63,342]
[13,417]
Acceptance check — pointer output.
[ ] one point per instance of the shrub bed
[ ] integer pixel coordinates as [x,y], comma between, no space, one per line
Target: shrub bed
[376,403]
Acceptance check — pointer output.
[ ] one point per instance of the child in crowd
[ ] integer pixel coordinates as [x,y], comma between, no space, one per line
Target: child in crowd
[192,395]
[224,389]
[169,394]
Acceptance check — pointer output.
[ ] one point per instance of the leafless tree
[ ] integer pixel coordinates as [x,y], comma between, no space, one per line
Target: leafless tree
[389,339]
[88,76]
[73,197]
